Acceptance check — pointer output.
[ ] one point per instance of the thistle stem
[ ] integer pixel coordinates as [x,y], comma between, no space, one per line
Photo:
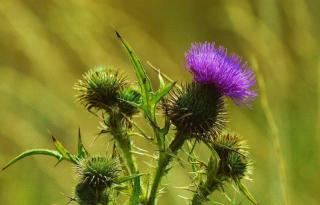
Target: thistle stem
[125,147]
[204,190]
[123,142]
[163,162]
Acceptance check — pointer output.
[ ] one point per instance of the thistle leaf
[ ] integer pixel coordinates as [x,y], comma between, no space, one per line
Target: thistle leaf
[143,79]
[244,190]
[32,152]
[132,103]
[161,81]
[213,167]
[157,96]
[127,178]
[64,152]
[82,152]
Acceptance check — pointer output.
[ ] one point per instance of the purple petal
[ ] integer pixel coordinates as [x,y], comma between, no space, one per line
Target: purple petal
[212,65]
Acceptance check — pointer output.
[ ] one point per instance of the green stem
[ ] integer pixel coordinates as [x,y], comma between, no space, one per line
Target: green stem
[125,147]
[124,143]
[204,190]
[164,160]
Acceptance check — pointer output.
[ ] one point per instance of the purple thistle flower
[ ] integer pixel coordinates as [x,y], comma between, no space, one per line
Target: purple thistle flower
[229,74]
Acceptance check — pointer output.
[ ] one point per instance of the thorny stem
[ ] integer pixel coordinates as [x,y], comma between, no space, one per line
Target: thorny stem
[123,142]
[203,191]
[164,159]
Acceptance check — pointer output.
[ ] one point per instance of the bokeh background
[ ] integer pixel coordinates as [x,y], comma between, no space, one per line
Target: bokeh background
[45,46]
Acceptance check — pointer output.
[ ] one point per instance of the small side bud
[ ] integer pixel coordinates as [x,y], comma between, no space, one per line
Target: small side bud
[98,172]
[128,98]
[233,152]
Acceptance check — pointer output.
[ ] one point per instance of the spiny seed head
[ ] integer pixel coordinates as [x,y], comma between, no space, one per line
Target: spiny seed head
[233,153]
[98,172]
[196,109]
[129,95]
[100,88]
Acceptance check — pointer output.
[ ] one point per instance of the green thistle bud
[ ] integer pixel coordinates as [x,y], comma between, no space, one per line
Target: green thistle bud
[196,110]
[233,153]
[100,88]
[128,96]
[98,172]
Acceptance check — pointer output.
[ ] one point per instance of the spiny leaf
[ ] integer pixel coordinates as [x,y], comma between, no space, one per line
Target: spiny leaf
[127,178]
[161,81]
[143,79]
[32,152]
[139,106]
[246,192]
[213,167]
[162,92]
[82,152]
[63,151]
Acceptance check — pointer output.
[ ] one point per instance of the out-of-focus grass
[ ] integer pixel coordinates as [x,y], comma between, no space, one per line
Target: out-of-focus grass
[46,45]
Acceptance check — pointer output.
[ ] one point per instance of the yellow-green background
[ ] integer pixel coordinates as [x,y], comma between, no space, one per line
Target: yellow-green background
[46,45]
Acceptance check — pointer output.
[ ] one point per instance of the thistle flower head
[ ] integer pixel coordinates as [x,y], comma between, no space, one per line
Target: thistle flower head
[100,88]
[98,172]
[233,153]
[212,65]
[126,97]
[196,109]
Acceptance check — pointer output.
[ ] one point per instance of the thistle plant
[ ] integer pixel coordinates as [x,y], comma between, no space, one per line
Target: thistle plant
[193,113]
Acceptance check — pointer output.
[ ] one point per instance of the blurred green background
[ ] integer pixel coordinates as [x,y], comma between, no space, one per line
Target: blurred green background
[45,46]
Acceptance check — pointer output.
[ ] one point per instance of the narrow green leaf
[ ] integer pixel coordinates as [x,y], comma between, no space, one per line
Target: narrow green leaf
[143,79]
[82,152]
[135,195]
[127,178]
[213,167]
[32,152]
[161,81]
[162,92]
[246,192]
[139,106]
[63,151]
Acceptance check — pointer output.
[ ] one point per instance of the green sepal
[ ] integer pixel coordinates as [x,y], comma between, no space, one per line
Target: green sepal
[82,152]
[64,152]
[31,152]
[244,190]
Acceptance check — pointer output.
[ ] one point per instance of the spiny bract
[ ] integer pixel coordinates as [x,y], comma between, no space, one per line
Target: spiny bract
[233,153]
[100,88]
[196,109]
[98,171]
